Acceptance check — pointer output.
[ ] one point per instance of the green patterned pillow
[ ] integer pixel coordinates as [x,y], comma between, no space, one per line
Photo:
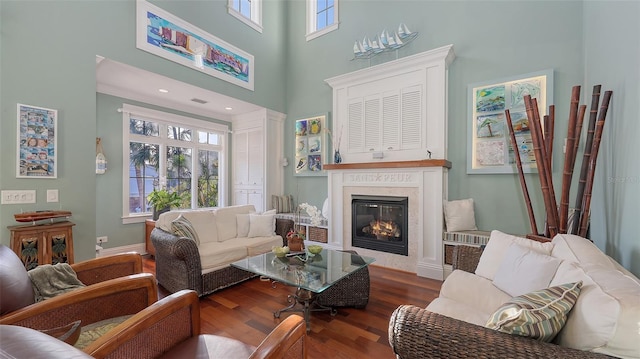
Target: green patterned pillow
[539,315]
[181,227]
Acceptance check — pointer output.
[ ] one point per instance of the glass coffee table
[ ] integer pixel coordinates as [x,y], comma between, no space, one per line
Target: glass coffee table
[310,274]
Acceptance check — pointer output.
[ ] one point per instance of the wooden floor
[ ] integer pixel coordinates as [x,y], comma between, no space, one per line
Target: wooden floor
[245,312]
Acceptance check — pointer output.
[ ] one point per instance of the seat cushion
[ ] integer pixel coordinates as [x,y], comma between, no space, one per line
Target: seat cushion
[463,287]
[16,290]
[457,310]
[259,245]
[217,254]
[210,346]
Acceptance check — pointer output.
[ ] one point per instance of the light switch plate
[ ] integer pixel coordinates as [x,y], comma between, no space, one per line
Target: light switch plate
[18,196]
[52,195]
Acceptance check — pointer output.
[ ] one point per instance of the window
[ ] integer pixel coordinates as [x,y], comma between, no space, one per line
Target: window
[180,154]
[322,17]
[247,11]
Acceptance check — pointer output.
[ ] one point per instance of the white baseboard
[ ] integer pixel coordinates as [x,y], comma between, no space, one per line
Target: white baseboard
[140,248]
[430,271]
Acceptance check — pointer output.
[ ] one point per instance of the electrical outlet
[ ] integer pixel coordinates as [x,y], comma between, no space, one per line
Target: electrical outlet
[103,239]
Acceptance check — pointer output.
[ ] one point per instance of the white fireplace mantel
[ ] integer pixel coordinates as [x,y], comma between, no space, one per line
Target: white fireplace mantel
[392,119]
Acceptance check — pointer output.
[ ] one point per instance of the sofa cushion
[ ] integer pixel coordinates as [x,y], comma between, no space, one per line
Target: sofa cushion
[463,287]
[259,245]
[262,225]
[577,249]
[606,316]
[459,215]
[456,310]
[219,254]
[182,227]
[497,247]
[227,222]
[539,315]
[524,270]
[202,220]
[242,222]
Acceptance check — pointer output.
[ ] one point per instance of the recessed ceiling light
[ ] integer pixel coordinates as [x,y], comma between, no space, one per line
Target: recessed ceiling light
[163,90]
[228,108]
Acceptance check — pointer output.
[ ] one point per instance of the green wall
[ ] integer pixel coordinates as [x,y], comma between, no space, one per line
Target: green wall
[612,50]
[47,58]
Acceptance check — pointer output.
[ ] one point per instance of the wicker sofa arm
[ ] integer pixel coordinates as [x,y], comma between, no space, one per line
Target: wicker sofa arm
[104,268]
[417,333]
[178,263]
[109,299]
[152,331]
[466,258]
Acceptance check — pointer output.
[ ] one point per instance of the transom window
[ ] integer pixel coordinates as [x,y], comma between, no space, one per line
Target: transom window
[173,152]
[247,11]
[322,17]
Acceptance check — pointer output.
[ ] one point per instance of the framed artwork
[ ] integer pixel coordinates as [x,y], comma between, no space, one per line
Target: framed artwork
[168,36]
[37,130]
[310,146]
[489,147]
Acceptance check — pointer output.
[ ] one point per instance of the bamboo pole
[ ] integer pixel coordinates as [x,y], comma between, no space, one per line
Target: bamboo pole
[523,182]
[550,123]
[548,173]
[582,181]
[586,204]
[538,146]
[567,173]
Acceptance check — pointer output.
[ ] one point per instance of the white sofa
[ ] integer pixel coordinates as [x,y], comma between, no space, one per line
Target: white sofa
[200,258]
[605,318]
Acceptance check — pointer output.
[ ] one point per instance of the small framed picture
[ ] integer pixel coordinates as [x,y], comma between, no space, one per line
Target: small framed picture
[310,146]
[37,154]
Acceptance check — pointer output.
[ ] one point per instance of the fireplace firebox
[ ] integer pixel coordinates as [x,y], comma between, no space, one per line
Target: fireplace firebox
[380,223]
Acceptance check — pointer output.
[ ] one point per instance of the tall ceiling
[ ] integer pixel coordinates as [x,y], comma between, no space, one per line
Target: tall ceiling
[122,80]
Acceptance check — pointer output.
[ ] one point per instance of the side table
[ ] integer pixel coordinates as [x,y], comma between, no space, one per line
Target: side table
[149,225]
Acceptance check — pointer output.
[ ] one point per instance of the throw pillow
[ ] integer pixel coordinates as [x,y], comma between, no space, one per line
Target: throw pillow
[242,221]
[497,247]
[523,270]
[538,315]
[459,215]
[262,225]
[181,227]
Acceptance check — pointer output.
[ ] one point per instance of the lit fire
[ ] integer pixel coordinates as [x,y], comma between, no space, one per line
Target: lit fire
[382,229]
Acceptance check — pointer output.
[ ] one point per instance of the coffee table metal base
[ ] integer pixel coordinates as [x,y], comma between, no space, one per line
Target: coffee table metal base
[308,304]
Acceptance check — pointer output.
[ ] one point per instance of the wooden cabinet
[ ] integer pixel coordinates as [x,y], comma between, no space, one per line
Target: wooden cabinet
[257,153]
[50,243]
[149,225]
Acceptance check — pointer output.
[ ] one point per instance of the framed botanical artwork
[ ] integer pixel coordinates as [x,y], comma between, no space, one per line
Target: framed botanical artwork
[310,146]
[166,35]
[489,148]
[37,134]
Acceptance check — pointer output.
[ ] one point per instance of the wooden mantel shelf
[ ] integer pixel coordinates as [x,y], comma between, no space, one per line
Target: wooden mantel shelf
[393,164]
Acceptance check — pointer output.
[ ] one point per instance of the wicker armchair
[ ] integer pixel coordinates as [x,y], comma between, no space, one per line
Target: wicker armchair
[178,264]
[110,283]
[418,333]
[170,328]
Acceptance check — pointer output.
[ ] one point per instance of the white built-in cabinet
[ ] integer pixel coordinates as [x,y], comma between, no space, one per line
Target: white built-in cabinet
[393,111]
[257,145]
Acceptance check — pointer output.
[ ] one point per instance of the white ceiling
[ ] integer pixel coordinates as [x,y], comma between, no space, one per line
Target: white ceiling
[118,79]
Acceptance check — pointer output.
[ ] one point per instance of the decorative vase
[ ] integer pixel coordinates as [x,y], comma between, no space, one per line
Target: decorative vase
[337,158]
[158,212]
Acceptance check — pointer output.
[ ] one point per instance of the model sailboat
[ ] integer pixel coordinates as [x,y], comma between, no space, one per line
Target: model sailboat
[384,42]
